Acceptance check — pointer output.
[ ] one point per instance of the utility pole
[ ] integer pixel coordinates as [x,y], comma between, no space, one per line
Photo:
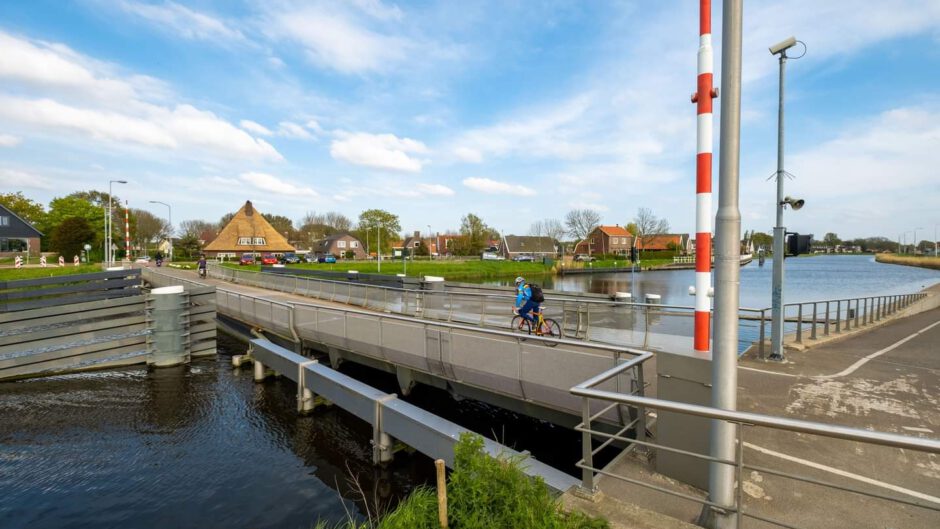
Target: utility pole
[727,273]
[378,246]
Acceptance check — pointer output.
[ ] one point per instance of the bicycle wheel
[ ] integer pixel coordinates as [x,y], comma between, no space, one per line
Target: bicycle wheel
[551,329]
[520,324]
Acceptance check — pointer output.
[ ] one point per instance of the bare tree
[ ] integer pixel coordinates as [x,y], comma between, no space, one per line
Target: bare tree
[649,225]
[337,220]
[581,222]
[553,228]
[150,227]
[200,229]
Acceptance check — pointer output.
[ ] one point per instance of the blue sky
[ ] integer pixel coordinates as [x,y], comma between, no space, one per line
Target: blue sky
[516,111]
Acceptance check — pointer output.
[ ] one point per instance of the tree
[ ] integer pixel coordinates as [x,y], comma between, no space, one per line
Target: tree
[381,223]
[97,198]
[476,235]
[27,209]
[71,206]
[201,230]
[150,228]
[70,236]
[422,250]
[631,228]
[188,247]
[338,221]
[281,224]
[581,222]
[649,225]
[223,222]
[831,240]
[762,239]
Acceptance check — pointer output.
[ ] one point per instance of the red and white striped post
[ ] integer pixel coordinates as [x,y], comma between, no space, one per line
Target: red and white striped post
[127,233]
[703,180]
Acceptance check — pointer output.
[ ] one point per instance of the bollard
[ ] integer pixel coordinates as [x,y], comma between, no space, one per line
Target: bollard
[654,299]
[260,371]
[623,297]
[167,341]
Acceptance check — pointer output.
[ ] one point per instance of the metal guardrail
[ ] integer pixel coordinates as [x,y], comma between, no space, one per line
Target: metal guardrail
[24,294]
[388,415]
[588,391]
[834,316]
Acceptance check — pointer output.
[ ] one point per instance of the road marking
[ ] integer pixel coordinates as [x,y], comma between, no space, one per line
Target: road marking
[851,369]
[846,474]
[773,372]
[919,430]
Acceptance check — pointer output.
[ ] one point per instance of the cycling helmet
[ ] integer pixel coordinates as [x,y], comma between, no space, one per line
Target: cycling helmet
[520,280]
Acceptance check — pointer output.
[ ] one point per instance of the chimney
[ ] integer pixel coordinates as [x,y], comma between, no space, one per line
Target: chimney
[249,210]
[417,234]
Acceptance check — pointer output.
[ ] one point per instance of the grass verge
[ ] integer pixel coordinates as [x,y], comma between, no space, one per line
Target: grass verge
[12,274]
[451,270]
[482,493]
[922,261]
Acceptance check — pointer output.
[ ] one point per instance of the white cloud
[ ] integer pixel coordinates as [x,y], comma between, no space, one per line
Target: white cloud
[435,189]
[183,21]
[377,9]
[293,130]
[254,127]
[493,187]
[76,95]
[14,179]
[7,140]
[334,40]
[272,184]
[393,188]
[381,151]
[467,154]
[313,125]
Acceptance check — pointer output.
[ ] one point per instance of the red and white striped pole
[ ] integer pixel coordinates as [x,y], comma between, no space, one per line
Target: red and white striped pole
[703,180]
[127,233]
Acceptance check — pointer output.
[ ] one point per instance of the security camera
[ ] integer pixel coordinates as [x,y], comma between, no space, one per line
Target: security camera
[783,46]
[794,203]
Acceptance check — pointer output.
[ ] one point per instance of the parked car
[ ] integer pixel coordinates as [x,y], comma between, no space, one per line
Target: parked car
[143,259]
[491,256]
[326,258]
[268,259]
[523,257]
[583,257]
[246,259]
[310,258]
[290,258]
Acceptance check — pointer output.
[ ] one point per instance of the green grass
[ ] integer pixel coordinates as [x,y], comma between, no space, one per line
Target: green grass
[12,274]
[482,493]
[451,270]
[625,263]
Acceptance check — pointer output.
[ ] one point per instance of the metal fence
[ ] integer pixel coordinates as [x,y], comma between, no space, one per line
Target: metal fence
[58,290]
[924,514]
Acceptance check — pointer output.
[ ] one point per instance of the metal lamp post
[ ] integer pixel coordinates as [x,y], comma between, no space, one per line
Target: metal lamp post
[108,253]
[776,326]
[430,255]
[170,218]
[914,242]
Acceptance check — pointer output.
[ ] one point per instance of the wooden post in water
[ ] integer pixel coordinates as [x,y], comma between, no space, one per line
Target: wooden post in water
[441,493]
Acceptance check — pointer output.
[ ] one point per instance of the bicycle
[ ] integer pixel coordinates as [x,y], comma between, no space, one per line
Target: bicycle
[543,326]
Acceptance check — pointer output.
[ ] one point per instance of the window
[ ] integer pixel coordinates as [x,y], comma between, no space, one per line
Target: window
[4,221]
[244,241]
[417,244]
[258,241]
[353,244]
[340,244]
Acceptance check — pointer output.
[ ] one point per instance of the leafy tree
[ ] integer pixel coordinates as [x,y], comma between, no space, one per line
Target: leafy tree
[476,235]
[150,228]
[422,250]
[27,209]
[70,236]
[188,247]
[282,225]
[831,240]
[97,198]
[649,225]
[581,222]
[223,222]
[631,227]
[762,239]
[69,207]
[373,222]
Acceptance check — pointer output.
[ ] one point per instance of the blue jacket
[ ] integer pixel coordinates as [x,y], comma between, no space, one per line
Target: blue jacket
[523,294]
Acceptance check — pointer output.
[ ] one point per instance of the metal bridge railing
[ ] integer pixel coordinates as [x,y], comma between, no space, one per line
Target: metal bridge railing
[590,318]
[742,420]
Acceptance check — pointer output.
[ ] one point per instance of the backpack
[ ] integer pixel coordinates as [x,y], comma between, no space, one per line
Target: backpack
[537,295]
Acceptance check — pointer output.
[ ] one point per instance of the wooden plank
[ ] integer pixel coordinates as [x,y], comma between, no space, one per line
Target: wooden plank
[70,333]
[71,312]
[20,283]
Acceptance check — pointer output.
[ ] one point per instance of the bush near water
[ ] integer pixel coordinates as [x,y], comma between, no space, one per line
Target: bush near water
[482,493]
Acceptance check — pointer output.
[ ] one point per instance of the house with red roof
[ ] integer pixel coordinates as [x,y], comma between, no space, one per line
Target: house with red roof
[606,240]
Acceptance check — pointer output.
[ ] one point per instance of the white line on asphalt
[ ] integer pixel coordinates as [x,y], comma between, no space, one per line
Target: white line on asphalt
[772,372]
[843,473]
[851,369]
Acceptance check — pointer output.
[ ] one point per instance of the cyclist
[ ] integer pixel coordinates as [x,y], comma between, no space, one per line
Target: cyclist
[525,305]
[201,265]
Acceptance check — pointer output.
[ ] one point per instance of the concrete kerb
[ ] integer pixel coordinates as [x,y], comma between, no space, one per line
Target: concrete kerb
[930,301]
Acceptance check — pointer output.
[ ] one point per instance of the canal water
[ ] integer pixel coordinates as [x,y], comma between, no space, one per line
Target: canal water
[205,446]
[805,279]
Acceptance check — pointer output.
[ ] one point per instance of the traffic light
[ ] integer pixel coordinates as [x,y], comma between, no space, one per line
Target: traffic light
[797,244]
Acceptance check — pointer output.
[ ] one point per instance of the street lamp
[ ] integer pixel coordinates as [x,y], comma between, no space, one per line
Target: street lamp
[108,253]
[430,254]
[915,240]
[170,218]
[776,326]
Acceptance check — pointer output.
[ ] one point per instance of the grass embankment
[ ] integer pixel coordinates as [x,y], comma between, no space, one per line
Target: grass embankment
[625,263]
[451,270]
[922,261]
[482,492]
[12,274]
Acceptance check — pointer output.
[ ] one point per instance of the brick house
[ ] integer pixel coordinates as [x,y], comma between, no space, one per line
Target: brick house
[678,242]
[17,235]
[606,240]
[338,244]
[516,245]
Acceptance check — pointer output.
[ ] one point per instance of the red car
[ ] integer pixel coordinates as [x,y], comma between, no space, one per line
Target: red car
[269,259]
[247,259]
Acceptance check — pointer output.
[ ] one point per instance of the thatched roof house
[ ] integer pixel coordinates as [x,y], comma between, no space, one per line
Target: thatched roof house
[247,232]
